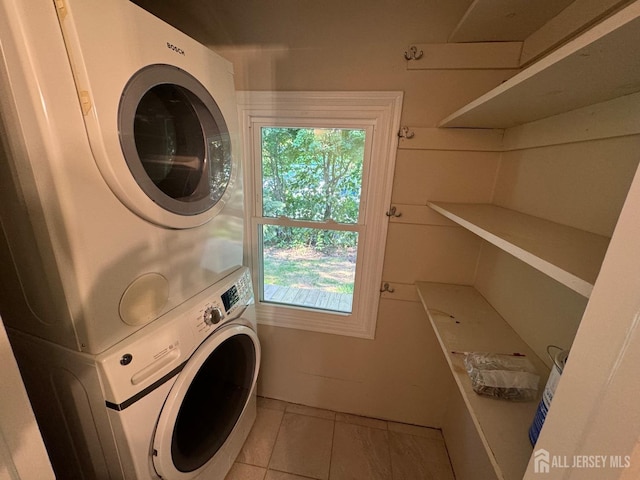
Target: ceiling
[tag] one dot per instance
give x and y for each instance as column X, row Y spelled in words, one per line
column 300, row 23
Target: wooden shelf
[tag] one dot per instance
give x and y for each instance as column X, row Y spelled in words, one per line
column 476, row 327
column 601, row 64
column 488, row 21
column 568, row 255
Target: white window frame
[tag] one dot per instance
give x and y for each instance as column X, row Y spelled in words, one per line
column 379, row 114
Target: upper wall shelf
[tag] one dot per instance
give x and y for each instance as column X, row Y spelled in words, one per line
column 571, row 256
column 505, row 20
column 601, row 64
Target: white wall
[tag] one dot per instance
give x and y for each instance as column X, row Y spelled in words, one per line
column 595, row 408
column 579, row 177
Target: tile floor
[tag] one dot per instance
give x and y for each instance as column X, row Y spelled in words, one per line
column 294, row 442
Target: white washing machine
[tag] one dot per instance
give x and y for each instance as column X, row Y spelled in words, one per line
column 120, row 190
column 175, row 400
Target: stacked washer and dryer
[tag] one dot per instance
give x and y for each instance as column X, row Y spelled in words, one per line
column 122, row 286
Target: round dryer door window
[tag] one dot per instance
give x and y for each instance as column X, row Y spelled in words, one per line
column 206, row 402
column 175, row 140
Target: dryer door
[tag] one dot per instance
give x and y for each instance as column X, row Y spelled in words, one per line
column 206, row 402
column 175, row 141
column 159, row 111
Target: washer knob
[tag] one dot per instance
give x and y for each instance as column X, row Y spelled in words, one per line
column 213, row 315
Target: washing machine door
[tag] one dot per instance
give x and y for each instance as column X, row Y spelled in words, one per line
column 206, row 402
column 175, row 141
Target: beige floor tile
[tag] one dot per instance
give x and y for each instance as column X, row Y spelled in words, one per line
column 303, row 446
column 272, row 403
column 414, row 457
column 360, row 453
column 275, row 475
column 259, row 445
column 364, row 421
column 416, row 430
column 311, row 411
column 296, row 442
column 240, row 471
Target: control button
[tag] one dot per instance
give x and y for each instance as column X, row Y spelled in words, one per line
column 126, row 359
column 213, row 315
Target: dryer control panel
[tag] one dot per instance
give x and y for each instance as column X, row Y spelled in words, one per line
column 164, row 345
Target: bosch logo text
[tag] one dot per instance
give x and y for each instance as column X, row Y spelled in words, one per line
column 171, row 46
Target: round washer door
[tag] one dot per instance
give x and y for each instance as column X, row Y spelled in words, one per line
column 176, row 144
column 206, row 402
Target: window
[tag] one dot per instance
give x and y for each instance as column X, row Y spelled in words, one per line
column 318, row 171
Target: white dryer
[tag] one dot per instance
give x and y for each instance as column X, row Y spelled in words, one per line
column 175, row 400
column 120, row 188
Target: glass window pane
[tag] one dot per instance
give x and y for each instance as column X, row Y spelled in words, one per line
column 312, row 173
column 309, row 267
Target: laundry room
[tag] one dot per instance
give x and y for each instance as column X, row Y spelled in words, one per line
column 494, row 215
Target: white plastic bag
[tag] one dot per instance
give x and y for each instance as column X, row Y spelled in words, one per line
column 502, row 376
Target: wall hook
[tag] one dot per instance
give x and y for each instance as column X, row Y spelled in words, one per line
column 413, row 53
column 386, row 288
column 392, row 213
column 406, row 133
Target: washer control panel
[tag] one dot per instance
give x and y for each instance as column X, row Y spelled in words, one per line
column 163, row 345
column 225, row 304
column 238, row 294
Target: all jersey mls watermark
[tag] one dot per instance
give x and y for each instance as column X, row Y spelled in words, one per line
column 543, row 461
